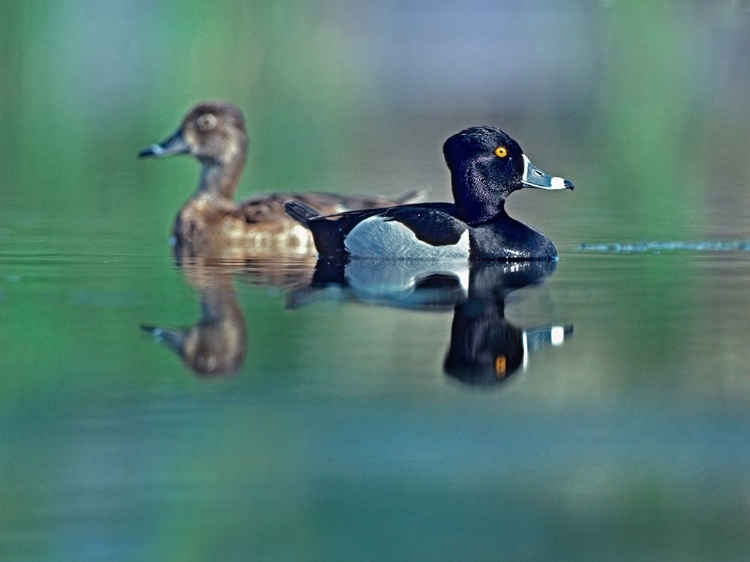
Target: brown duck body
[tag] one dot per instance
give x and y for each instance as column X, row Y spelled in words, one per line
column 210, row 224
column 214, row 226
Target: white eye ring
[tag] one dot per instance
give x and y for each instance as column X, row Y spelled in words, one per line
column 207, row 121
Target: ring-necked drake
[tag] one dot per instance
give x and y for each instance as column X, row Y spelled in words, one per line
column 210, row 223
column 486, row 166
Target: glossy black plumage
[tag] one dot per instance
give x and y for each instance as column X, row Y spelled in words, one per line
column 486, row 167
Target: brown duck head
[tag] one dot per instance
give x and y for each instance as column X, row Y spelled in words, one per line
column 213, row 132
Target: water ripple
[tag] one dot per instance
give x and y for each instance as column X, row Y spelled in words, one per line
column 673, row 246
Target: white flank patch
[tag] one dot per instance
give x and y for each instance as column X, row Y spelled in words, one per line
column 378, row 238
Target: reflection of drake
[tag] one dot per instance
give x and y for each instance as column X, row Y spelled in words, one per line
column 210, row 224
column 485, row 348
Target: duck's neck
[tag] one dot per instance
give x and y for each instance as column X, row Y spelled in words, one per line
column 220, row 179
column 477, row 201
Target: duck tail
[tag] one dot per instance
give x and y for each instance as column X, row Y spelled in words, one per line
column 300, row 212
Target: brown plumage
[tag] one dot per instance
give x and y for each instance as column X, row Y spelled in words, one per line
column 210, row 224
column 217, row 343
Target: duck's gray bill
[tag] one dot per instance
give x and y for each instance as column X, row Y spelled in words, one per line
column 534, row 177
column 173, row 145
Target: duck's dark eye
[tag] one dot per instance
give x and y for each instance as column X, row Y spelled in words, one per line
column 206, row 122
column 501, row 152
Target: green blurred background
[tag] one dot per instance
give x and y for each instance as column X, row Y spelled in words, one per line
column 643, row 106
column 627, row 443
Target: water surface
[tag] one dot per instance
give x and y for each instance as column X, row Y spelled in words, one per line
column 341, row 436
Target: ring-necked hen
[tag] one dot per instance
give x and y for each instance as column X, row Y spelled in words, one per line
column 210, row 223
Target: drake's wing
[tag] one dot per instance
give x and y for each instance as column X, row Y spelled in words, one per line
column 349, row 219
column 433, row 224
column 409, row 232
column 390, row 232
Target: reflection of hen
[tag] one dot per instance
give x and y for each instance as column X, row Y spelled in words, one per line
column 216, row 345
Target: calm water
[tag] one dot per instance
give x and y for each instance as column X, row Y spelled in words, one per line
column 597, row 410
column 341, row 437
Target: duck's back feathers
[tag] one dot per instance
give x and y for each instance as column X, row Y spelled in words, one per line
column 270, row 207
column 417, row 231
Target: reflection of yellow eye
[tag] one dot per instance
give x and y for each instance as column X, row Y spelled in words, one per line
column 501, row 364
column 501, row 152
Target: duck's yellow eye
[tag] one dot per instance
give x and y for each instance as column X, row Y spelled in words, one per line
column 206, row 122
column 501, row 152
